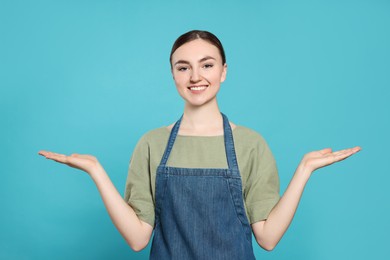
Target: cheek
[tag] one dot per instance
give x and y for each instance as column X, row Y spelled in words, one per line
column 215, row 79
column 180, row 79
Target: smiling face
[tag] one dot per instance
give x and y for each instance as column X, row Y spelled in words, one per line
column 198, row 71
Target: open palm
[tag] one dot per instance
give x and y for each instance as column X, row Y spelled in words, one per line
column 83, row 162
column 318, row 159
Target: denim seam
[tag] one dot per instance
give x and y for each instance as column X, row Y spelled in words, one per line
column 237, row 214
column 159, row 205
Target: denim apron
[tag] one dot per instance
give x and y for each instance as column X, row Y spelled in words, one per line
column 200, row 212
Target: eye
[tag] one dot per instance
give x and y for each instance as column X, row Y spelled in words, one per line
column 208, row 65
column 182, row 68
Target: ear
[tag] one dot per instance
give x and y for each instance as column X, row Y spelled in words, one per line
column 223, row 75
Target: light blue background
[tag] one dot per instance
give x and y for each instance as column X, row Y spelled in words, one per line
column 93, row 76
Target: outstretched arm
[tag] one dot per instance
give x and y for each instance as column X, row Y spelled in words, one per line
column 136, row 232
column 269, row 232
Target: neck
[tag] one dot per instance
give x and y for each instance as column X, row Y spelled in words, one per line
column 205, row 119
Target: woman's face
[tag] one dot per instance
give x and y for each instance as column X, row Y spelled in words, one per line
column 198, row 71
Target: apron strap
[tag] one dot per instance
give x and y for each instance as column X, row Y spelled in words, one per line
column 171, row 141
column 229, row 145
column 228, row 139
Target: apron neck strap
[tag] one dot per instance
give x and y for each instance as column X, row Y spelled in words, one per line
column 228, row 139
column 171, row 141
column 229, row 144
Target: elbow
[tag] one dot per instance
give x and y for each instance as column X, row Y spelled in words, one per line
column 140, row 239
column 268, row 248
column 137, row 246
column 267, row 245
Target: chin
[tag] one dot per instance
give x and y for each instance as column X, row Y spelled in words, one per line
column 199, row 103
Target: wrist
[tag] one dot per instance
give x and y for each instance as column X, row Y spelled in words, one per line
column 96, row 171
column 304, row 171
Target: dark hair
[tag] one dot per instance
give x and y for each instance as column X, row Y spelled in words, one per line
column 197, row 34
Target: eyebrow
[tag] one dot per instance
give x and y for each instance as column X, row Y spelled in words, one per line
column 201, row 60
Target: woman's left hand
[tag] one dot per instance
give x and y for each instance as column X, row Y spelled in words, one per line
column 318, row 159
column 269, row 232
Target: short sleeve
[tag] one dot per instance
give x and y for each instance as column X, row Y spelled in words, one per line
column 138, row 192
column 262, row 186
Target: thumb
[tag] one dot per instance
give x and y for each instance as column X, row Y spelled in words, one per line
column 326, row 150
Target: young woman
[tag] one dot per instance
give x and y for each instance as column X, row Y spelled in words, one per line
column 202, row 184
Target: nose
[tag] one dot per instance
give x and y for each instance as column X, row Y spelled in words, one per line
column 195, row 76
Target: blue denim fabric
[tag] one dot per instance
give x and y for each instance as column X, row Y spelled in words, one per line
column 200, row 212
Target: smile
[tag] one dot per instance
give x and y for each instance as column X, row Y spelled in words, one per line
column 197, row 88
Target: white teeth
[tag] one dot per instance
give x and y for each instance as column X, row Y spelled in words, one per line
column 197, row 88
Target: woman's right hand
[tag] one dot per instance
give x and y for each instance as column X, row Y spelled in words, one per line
column 84, row 162
column 136, row 232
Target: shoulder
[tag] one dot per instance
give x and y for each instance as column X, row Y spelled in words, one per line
column 247, row 139
column 156, row 133
column 155, row 136
column 247, row 135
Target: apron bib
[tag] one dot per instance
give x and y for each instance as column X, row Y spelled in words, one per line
column 200, row 212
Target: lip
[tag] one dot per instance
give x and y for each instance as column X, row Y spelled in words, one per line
column 197, row 91
column 194, row 86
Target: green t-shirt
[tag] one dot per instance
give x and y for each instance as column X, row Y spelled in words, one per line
column 260, row 181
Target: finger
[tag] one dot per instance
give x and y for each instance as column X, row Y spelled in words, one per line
column 61, row 158
column 48, row 153
column 357, row 149
column 325, row 151
column 343, row 154
column 348, row 151
column 43, row 153
column 85, row 156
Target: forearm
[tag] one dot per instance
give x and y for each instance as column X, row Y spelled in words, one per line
column 268, row 233
column 136, row 232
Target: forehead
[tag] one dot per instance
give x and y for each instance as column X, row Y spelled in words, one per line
column 196, row 50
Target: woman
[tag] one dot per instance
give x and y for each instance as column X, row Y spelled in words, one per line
column 203, row 184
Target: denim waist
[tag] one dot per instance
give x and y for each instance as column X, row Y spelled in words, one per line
column 201, row 172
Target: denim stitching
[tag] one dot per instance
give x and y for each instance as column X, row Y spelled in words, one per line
column 237, row 213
